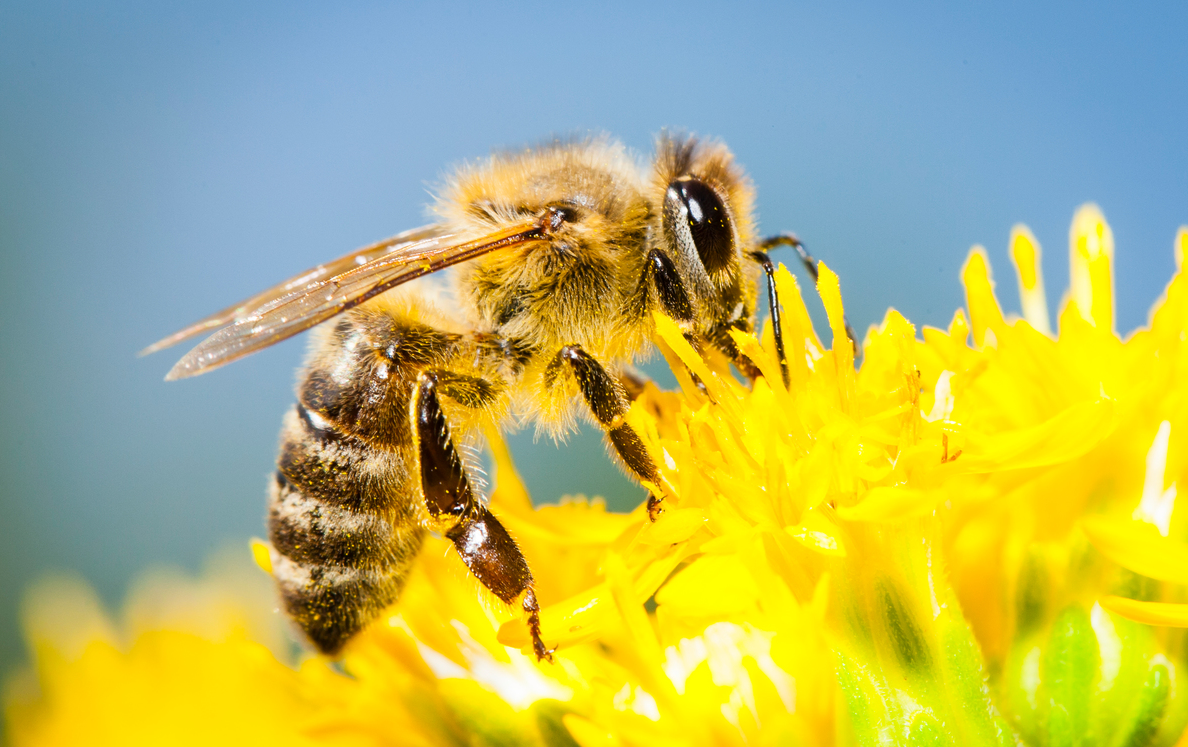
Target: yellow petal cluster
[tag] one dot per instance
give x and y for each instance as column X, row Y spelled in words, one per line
column 970, row 538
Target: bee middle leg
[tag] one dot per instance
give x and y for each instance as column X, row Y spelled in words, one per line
column 482, row 542
column 608, row 401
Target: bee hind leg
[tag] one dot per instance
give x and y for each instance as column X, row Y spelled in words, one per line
column 482, row 542
column 608, row 401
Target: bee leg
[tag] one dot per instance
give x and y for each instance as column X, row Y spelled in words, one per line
column 608, row 402
column 669, row 286
column 773, row 304
column 659, row 272
column 633, row 383
column 482, row 542
column 810, row 264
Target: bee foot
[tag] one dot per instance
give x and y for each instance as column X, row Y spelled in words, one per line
column 654, row 507
column 538, row 646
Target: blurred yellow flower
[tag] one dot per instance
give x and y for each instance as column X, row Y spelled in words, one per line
column 970, row 539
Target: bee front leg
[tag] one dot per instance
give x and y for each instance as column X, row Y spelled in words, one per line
column 670, row 289
column 482, row 542
column 608, row 402
column 773, row 305
column 661, row 274
column 773, row 299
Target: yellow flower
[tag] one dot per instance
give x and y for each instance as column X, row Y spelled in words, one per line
column 969, row 539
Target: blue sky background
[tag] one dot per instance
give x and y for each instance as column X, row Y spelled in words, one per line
column 159, row 161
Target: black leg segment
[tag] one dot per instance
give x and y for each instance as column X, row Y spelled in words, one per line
column 810, row 265
column 482, row 542
column 608, row 403
column 773, row 304
column 493, row 557
column 669, row 286
column 443, row 479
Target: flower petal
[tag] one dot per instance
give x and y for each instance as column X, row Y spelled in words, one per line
column 1066, row 436
column 984, row 312
column 887, row 503
column 1149, row 613
column 1138, row 546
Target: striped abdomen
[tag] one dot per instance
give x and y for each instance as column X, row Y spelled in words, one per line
column 344, row 518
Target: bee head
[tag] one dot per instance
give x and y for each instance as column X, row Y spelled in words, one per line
column 704, row 225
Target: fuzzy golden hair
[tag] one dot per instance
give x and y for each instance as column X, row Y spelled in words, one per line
column 575, row 287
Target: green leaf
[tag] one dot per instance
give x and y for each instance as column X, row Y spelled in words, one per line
column 1068, row 670
column 548, row 713
column 1150, row 708
column 965, row 675
column 925, row 731
column 863, row 723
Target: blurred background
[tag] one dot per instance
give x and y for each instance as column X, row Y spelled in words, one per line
column 159, row 161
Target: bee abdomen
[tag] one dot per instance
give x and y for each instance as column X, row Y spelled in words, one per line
column 336, row 567
column 308, row 529
column 343, row 539
column 332, row 602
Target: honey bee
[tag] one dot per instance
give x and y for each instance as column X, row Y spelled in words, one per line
column 560, row 255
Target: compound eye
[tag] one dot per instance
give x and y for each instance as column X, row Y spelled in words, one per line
column 708, row 222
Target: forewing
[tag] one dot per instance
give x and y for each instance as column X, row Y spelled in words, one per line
column 299, row 310
column 304, row 281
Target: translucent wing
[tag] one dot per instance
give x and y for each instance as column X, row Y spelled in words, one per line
column 305, row 280
column 286, row 314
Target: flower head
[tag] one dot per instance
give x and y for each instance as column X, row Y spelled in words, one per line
column 969, row 538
